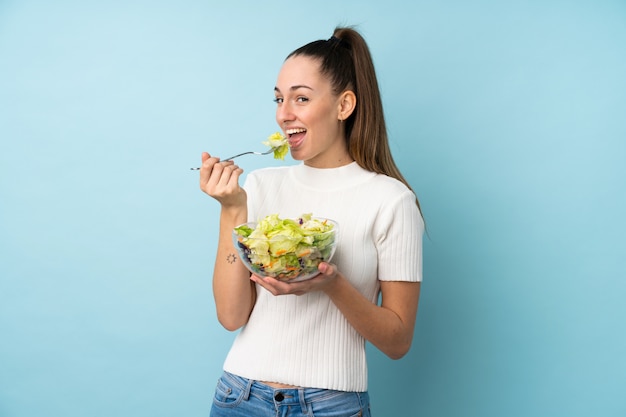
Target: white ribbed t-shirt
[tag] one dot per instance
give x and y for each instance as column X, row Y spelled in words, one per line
column 305, row 340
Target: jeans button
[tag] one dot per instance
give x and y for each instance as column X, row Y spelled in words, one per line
column 279, row 396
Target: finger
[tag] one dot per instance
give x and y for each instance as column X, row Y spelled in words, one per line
column 327, row 269
column 206, row 169
column 235, row 173
column 217, row 174
column 210, row 172
column 234, row 176
column 228, row 178
column 263, row 283
column 277, row 287
column 207, row 157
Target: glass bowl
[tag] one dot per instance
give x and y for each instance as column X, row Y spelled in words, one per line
column 289, row 254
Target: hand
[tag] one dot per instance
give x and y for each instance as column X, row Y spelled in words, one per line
column 321, row 282
column 220, row 180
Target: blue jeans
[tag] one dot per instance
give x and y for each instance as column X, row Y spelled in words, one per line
column 240, row 397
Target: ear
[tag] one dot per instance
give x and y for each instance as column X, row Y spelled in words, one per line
column 347, row 104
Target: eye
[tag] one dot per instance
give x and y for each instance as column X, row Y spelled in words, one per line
column 278, row 100
column 302, row 99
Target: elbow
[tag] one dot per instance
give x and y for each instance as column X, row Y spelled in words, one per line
column 231, row 318
column 397, row 354
column 231, row 327
column 396, row 357
column 230, row 323
column 398, row 351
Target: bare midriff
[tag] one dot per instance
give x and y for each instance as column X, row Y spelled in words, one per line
column 278, row 385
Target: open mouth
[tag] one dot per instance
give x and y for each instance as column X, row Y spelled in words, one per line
column 295, row 136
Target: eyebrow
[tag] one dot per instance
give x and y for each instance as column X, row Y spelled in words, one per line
column 295, row 87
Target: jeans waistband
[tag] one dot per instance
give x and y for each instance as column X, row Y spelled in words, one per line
column 281, row 396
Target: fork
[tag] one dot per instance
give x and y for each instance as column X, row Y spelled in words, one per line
column 242, row 154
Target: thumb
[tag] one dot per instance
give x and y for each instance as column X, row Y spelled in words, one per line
column 327, row 269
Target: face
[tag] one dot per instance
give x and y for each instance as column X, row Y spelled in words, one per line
column 309, row 112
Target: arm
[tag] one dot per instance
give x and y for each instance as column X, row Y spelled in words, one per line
column 234, row 294
column 389, row 326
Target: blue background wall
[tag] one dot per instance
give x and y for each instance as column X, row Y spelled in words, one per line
column 508, row 118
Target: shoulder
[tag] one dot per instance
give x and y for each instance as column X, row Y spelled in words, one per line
column 397, row 201
column 373, row 181
column 388, row 187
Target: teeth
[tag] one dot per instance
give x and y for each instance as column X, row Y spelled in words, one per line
column 294, row 131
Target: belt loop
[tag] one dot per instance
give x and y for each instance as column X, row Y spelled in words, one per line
column 305, row 409
column 246, row 391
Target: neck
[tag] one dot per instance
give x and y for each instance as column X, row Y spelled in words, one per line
column 335, row 157
column 332, row 163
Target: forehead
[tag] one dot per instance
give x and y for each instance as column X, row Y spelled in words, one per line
column 301, row 70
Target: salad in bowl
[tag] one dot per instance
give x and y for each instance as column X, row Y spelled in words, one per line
column 286, row 249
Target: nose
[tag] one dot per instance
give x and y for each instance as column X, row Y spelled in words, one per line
column 284, row 113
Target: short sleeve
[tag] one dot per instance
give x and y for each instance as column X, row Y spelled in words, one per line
column 251, row 186
column 399, row 229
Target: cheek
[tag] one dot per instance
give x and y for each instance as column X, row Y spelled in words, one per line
column 323, row 120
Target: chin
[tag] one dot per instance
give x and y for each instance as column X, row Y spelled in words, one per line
column 297, row 156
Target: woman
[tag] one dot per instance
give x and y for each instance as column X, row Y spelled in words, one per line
column 301, row 350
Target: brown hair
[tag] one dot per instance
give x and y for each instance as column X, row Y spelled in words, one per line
column 345, row 58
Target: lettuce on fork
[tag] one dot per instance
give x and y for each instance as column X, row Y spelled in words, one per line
column 279, row 143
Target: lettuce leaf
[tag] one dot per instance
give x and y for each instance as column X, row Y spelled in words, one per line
column 285, row 248
column 279, row 143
